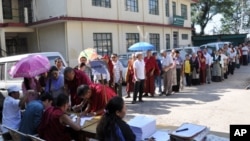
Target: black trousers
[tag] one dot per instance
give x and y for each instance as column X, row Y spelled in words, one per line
column 176, row 88
column 138, row 89
column 245, row 60
column 231, row 67
column 188, row 79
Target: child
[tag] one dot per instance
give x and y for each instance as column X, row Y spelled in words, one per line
column 187, row 70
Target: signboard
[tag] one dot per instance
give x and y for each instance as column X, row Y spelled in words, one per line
column 178, row 20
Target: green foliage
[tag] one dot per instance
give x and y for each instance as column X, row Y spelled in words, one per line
column 203, row 11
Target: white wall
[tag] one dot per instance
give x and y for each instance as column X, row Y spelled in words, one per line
column 52, row 38
column 44, row 9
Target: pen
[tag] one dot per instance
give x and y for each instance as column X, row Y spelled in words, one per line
column 180, row 130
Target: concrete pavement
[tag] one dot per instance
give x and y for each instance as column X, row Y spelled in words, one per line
column 216, row 105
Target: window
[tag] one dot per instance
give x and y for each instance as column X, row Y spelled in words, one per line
column 174, row 8
column 7, row 9
column 155, row 40
column 167, row 41
column 184, row 11
column 153, row 7
column 132, row 5
column 9, row 65
column 184, row 36
column 175, row 39
column 167, row 7
column 132, row 38
column 102, row 3
column 2, row 72
column 103, row 43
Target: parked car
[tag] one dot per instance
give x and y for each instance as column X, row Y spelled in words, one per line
column 185, row 50
column 213, row 46
column 7, row 62
column 124, row 62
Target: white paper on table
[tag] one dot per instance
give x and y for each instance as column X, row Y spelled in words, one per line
column 161, row 136
column 83, row 119
column 193, row 129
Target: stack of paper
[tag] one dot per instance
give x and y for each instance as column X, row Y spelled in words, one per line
column 189, row 131
column 83, row 119
column 160, row 136
column 142, row 127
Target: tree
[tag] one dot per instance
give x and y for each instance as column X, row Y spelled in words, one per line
column 237, row 18
column 204, row 10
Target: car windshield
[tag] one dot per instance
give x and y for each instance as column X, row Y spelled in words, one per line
column 52, row 60
column 124, row 62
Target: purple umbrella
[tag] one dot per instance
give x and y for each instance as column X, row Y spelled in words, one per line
column 30, row 66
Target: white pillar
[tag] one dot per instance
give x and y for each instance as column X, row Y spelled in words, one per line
column 3, row 42
column 1, row 12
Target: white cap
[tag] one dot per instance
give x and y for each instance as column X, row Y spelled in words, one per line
column 163, row 50
column 138, row 53
column 13, row 88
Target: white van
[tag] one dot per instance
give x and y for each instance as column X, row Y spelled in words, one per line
column 213, row 46
column 185, row 50
column 7, row 62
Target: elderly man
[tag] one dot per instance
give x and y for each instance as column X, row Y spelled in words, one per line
column 11, row 111
column 117, row 70
column 167, row 63
column 139, row 76
column 73, row 79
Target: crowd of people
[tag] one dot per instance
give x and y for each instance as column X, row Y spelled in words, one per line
column 47, row 98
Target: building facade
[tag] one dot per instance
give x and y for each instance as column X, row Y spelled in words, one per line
column 69, row 26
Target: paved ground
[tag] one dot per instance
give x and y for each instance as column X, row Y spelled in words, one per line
column 215, row 105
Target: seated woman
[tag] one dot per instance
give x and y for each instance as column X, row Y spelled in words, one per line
column 111, row 126
column 54, row 121
column 96, row 96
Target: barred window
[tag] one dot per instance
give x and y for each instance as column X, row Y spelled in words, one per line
column 132, row 5
column 102, row 3
column 167, row 41
column 184, row 11
column 132, row 38
column 167, row 7
column 174, row 8
column 154, row 7
column 155, row 40
column 7, row 9
column 175, row 39
column 184, row 36
column 103, row 43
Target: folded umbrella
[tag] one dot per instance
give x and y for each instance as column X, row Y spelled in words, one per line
column 30, row 66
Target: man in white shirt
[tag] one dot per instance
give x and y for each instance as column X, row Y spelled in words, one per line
column 208, row 65
column 117, row 74
column 167, row 63
column 245, row 51
column 139, row 76
column 11, row 110
column 223, row 63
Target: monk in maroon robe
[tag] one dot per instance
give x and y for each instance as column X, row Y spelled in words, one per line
column 97, row 96
column 152, row 69
column 73, row 79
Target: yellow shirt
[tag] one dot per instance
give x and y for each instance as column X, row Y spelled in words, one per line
column 187, row 66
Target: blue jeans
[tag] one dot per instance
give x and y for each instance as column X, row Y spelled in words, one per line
column 158, row 80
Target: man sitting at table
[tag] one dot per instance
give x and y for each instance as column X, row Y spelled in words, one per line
column 33, row 114
column 54, row 121
column 97, row 96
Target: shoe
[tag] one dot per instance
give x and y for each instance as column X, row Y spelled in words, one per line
column 133, row 102
column 141, row 101
column 145, row 95
column 127, row 96
column 168, row 94
column 208, row 82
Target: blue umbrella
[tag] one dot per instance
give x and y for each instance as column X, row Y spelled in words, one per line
column 141, row 46
column 98, row 66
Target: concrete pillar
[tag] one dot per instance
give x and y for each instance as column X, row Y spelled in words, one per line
column 3, row 42
column 1, row 12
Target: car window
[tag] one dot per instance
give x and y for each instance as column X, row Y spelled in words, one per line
column 9, row 65
column 220, row 45
column 124, row 62
column 52, row 60
column 2, row 72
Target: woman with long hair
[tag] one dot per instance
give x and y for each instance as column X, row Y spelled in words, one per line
column 111, row 126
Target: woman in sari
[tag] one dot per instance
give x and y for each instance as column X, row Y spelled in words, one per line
column 130, row 76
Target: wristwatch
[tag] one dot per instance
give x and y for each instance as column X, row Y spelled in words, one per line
column 94, row 113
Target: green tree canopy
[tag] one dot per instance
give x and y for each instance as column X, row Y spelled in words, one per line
column 204, row 10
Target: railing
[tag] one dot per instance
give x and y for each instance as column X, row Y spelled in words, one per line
column 3, row 52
